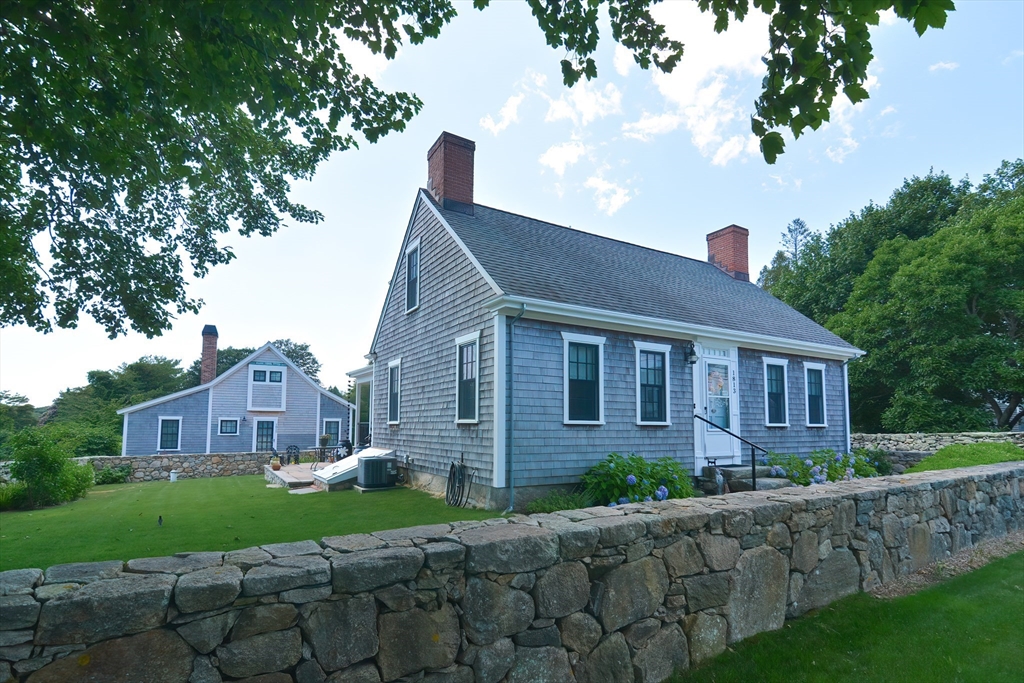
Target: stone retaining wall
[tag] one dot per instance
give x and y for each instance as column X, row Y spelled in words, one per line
column 602, row 594
column 189, row 466
column 906, row 450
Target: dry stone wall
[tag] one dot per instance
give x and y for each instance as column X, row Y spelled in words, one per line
column 188, row 466
column 906, row 450
column 602, row 594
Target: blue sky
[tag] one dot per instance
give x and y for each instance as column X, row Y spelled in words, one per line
column 639, row 156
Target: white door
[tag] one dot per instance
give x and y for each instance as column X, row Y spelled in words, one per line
column 718, row 401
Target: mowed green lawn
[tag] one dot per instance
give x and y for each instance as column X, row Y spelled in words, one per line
column 119, row 522
column 969, row 455
column 968, row 629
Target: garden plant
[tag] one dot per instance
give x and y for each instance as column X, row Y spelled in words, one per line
column 619, row 480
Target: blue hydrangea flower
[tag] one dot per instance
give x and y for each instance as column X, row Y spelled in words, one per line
column 612, row 504
column 623, row 500
column 839, row 458
column 661, row 493
column 815, row 470
column 631, row 480
column 853, row 460
column 636, row 498
column 809, row 462
column 648, row 499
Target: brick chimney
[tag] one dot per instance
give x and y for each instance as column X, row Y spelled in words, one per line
column 208, row 367
column 727, row 249
column 450, row 172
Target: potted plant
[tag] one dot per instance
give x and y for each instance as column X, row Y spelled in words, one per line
column 325, row 440
column 275, row 463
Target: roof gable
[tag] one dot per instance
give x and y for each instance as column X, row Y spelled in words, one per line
column 231, row 371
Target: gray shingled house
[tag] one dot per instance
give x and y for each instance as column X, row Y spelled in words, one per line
column 531, row 350
column 264, row 402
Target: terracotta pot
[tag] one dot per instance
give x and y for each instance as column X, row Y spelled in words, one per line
column 275, row 464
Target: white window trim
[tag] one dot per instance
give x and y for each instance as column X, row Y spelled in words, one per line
column 253, row 367
column 341, row 436
column 807, row 395
column 255, row 428
column 657, row 348
column 414, row 246
column 398, row 418
column 466, row 339
column 238, row 426
column 582, row 339
column 160, row 429
column 784, row 362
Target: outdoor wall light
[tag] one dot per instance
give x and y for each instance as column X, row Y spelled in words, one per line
column 690, row 353
column 243, row 418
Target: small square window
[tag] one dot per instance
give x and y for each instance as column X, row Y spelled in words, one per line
column 229, row 427
column 259, row 375
column 275, row 376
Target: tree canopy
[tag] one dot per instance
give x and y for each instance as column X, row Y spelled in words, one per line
column 931, row 285
column 133, row 135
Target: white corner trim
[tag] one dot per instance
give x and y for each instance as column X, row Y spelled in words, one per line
column 160, row 427
column 656, row 348
column 807, row 395
column 124, row 435
column 846, row 404
column 500, row 341
column 784, row 364
column 465, row 340
column 572, row 337
column 209, row 419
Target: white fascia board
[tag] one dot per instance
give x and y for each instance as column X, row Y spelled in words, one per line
column 472, row 259
column 361, row 373
column 421, row 197
column 627, row 322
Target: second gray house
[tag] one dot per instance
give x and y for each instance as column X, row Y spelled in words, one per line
column 265, row 402
column 531, row 350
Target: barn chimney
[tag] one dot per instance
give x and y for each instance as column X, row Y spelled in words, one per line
column 727, row 249
column 208, row 366
column 450, row 172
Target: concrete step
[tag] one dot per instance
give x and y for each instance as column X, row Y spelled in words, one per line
column 736, row 472
column 766, row 484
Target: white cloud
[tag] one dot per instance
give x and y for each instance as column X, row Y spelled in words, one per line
column 888, row 17
column 888, row 110
column 559, row 157
column 623, row 60
column 509, row 114
column 709, row 93
column 609, row 196
column 943, row 66
column 843, row 115
column 650, row 125
column 584, row 103
column 1014, row 55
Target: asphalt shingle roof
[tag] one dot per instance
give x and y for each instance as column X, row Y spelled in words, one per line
column 531, row 258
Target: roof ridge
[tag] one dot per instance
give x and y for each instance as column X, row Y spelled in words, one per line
column 584, row 232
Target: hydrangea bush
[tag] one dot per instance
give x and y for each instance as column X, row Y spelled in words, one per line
column 819, row 467
column 632, row 479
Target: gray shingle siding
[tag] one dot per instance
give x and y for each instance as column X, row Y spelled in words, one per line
column 332, row 410
column 549, row 452
column 143, row 425
column 452, row 292
column 797, row 437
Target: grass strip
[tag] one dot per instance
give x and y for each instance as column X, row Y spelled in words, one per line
column 968, row 629
column 968, row 455
column 119, row 521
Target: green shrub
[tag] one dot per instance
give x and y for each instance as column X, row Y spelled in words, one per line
column 967, row 455
column 49, row 475
column 819, row 467
column 633, row 479
column 114, row 475
column 83, row 440
column 877, row 458
column 558, row 500
column 13, row 496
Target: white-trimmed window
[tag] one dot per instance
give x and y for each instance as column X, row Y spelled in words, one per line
column 168, row 435
column 814, row 387
column 268, row 386
column 412, row 277
column 228, row 426
column 583, row 371
column 467, row 378
column 776, row 403
column 652, row 383
column 332, row 428
column 394, row 390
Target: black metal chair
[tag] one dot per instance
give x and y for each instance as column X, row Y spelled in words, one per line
column 291, row 454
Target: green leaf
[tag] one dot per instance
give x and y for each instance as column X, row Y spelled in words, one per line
column 772, row 145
